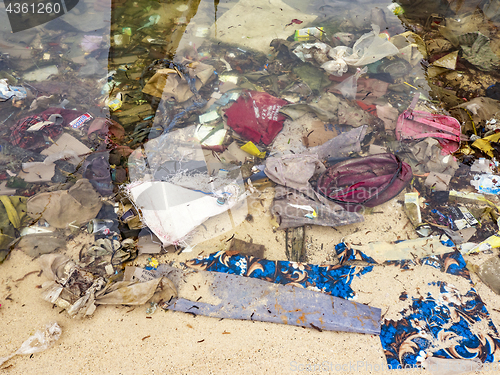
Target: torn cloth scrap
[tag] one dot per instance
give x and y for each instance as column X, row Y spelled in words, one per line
column 431, row 308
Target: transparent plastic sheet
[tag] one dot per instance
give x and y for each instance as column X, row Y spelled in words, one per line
column 38, row 342
column 349, row 86
column 177, row 186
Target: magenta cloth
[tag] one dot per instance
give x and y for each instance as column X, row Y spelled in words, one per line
column 364, row 182
column 255, row 116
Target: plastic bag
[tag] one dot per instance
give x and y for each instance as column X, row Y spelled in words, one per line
column 177, row 189
column 41, row 340
column 413, row 125
column 255, row 116
column 370, row 48
column 349, row 86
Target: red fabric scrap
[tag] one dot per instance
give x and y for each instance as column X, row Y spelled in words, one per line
column 255, row 116
column 34, row 140
column 371, row 109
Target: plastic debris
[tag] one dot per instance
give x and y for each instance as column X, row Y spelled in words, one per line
column 78, row 291
column 253, row 150
column 418, row 124
column 412, row 208
column 349, row 86
column 168, row 82
column 7, row 92
column 176, row 194
column 369, row 48
column 486, row 184
column 63, row 208
column 487, row 245
column 309, row 33
column 40, row 341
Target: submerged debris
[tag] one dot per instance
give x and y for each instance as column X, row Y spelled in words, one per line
column 269, row 120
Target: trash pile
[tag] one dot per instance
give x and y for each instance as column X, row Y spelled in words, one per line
column 191, row 123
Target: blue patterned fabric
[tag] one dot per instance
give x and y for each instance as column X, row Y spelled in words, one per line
column 450, row 324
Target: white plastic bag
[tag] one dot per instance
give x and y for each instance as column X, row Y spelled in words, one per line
column 368, row 49
column 349, row 86
column 371, row 48
column 41, row 340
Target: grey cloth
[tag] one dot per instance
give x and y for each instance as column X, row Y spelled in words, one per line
column 291, row 207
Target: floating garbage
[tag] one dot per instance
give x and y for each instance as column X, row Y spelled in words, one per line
column 362, row 139
column 486, row 184
column 256, row 116
column 7, row 92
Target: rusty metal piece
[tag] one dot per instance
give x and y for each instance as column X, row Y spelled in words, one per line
column 247, row 298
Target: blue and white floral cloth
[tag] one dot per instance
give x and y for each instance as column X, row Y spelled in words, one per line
column 451, row 323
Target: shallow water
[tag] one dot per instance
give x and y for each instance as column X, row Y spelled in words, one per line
column 178, row 189
column 97, row 59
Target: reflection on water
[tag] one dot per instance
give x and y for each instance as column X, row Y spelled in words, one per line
column 137, row 127
column 109, row 88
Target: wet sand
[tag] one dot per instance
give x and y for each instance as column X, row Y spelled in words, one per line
column 126, row 340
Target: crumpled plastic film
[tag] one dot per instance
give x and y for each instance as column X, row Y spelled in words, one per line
column 38, row 342
column 176, row 189
column 78, row 291
column 368, row 49
column 62, row 208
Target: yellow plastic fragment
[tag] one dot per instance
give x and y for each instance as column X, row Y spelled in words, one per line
column 466, row 150
column 448, row 61
column 253, row 150
column 11, row 211
column 154, row 263
column 488, row 244
column 484, row 143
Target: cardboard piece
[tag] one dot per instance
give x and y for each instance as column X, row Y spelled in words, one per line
column 68, row 145
column 438, row 181
column 37, row 172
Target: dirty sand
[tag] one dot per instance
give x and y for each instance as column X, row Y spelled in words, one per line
column 125, row 340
